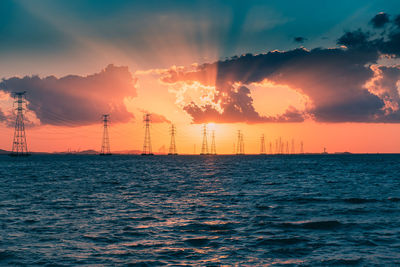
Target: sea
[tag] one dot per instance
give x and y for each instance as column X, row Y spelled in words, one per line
column 249, row 210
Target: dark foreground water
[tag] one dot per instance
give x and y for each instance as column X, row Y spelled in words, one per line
column 246, row 210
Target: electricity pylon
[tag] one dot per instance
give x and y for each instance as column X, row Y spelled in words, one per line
column 147, row 141
column 105, row 144
column 213, row 148
column 287, row 147
column 301, row 148
column 240, row 144
column 293, row 151
column 262, row 148
column 270, row 147
column 172, row 146
column 204, row 145
column 19, row 146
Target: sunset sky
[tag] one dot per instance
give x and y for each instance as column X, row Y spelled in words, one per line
column 322, row 72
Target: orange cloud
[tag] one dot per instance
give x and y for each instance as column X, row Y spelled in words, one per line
column 77, row 100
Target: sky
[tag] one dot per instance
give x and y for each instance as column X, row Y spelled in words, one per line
column 325, row 73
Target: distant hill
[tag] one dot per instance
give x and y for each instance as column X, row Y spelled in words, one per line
column 127, row 152
column 87, row 152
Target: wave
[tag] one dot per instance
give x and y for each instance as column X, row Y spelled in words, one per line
column 314, row 225
column 356, row 200
column 5, row 254
column 341, row 262
column 220, row 227
column 394, row 199
column 102, row 239
column 197, row 242
column 281, row 241
column 147, row 263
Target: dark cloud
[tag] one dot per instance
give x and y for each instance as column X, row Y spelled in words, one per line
column 299, row 39
column 334, row 80
column 380, row 20
column 354, row 39
column 77, row 100
column 238, row 107
column 3, row 116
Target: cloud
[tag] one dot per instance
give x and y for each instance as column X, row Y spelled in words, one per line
column 156, row 118
column 3, row 116
column 299, row 39
column 237, row 107
column 354, row 39
column 336, row 81
column 77, row 100
column 380, row 20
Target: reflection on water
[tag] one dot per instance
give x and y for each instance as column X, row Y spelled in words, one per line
column 217, row 210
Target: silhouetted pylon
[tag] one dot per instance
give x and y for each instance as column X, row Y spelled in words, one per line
column 301, row 148
column 147, row 141
column 105, row 144
column 270, row 147
column 262, row 147
column 293, row 149
column 19, row 146
column 213, row 148
column 204, row 145
column 240, row 144
column 287, row 147
column 172, row 146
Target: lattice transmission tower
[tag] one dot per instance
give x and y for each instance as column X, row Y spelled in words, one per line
column 147, row 141
column 240, row 144
column 293, row 150
column 172, row 145
column 262, row 147
column 19, row 146
column 301, row 148
column 204, row 145
column 213, row 147
column 105, row 144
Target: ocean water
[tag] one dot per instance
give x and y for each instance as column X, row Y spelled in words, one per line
column 306, row 210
